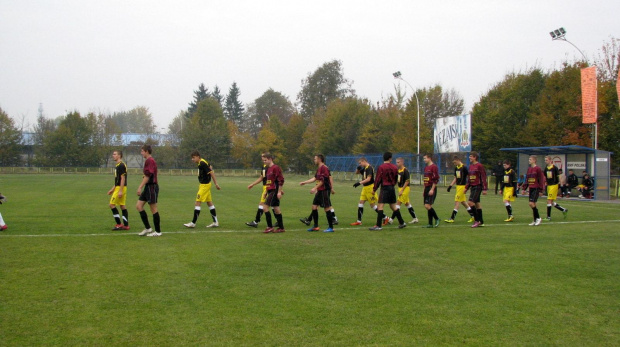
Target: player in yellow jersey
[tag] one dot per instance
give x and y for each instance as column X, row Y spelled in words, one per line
column 118, row 192
column 205, row 175
column 404, row 181
column 460, row 179
column 508, row 188
column 367, row 182
column 552, row 180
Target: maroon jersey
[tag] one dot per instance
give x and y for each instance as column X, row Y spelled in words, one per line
column 150, row 170
column 322, row 175
column 535, row 178
column 275, row 178
column 387, row 175
column 477, row 176
column 431, row 175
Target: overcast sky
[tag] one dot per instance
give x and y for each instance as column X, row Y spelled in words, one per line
column 109, row 56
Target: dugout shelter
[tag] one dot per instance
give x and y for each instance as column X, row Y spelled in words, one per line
column 577, row 158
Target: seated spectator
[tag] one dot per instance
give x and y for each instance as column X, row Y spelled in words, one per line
column 586, row 186
column 572, row 181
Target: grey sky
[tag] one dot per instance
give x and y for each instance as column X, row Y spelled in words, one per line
column 114, row 55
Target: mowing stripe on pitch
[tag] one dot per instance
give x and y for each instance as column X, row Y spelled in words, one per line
column 444, row 226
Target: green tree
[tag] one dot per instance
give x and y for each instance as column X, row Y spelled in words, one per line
column 339, row 130
column 233, row 108
column 137, row 120
column 271, row 104
column 10, row 141
column 292, row 141
column 217, row 95
column 325, row 84
column 199, row 95
column 207, row 132
column 242, row 146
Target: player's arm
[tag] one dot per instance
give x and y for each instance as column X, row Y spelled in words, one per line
column 145, row 180
column 313, row 179
column 258, row 180
column 212, row 173
column 120, row 190
column 331, row 184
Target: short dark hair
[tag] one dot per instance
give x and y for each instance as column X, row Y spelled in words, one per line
column 195, row 153
column 119, row 152
column 456, row 157
column 387, row 156
column 428, row 155
column 147, row 148
column 362, row 159
column 267, row 155
column 474, row 154
column 507, row 162
column 321, row 156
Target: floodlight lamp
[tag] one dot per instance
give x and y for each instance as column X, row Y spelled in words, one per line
column 557, row 32
column 562, row 31
column 552, row 35
column 396, row 74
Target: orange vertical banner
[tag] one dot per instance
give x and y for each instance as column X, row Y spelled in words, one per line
column 588, row 95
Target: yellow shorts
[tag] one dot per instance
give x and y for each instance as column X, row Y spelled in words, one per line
column 263, row 195
column 367, row 195
column 509, row 194
column 204, row 193
column 552, row 192
column 404, row 198
column 115, row 200
column 460, row 194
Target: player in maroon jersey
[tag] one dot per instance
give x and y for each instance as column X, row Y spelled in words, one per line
column 274, row 183
column 149, row 193
column 387, row 178
column 321, row 193
column 535, row 181
column 477, row 182
column 431, row 178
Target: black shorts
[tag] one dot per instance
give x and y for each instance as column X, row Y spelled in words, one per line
column 474, row 193
column 322, row 199
column 150, row 193
column 272, row 198
column 534, row 194
column 429, row 199
column 387, row 195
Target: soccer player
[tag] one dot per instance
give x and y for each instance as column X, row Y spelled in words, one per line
column 460, row 179
column 148, row 192
column 431, row 178
column 321, row 191
column 3, row 225
column 387, row 178
column 119, row 192
column 534, row 180
column 261, row 205
column 275, row 181
column 367, row 182
column 508, row 188
column 552, row 179
column 308, row 220
column 477, row 182
column 403, row 192
column 205, row 175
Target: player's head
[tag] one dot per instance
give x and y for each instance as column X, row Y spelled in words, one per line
column 117, row 154
column 146, row 150
column 195, row 156
column 387, row 156
column 400, row 162
column 428, row 158
column 571, row 171
column 473, row 156
column 362, row 161
column 548, row 160
column 532, row 159
column 319, row 159
column 267, row 158
column 456, row 160
column 507, row 164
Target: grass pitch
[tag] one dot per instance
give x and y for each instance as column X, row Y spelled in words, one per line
column 67, row 279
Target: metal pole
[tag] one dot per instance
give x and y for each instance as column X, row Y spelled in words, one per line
column 418, row 103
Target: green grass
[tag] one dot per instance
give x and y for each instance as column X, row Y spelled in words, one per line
column 66, row 279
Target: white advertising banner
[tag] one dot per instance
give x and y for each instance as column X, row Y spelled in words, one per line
column 453, row 134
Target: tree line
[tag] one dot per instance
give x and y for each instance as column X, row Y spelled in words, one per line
column 525, row 109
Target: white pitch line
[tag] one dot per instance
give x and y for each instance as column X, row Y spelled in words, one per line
column 258, row 231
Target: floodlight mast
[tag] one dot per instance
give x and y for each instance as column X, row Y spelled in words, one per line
column 560, row 34
column 398, row 75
